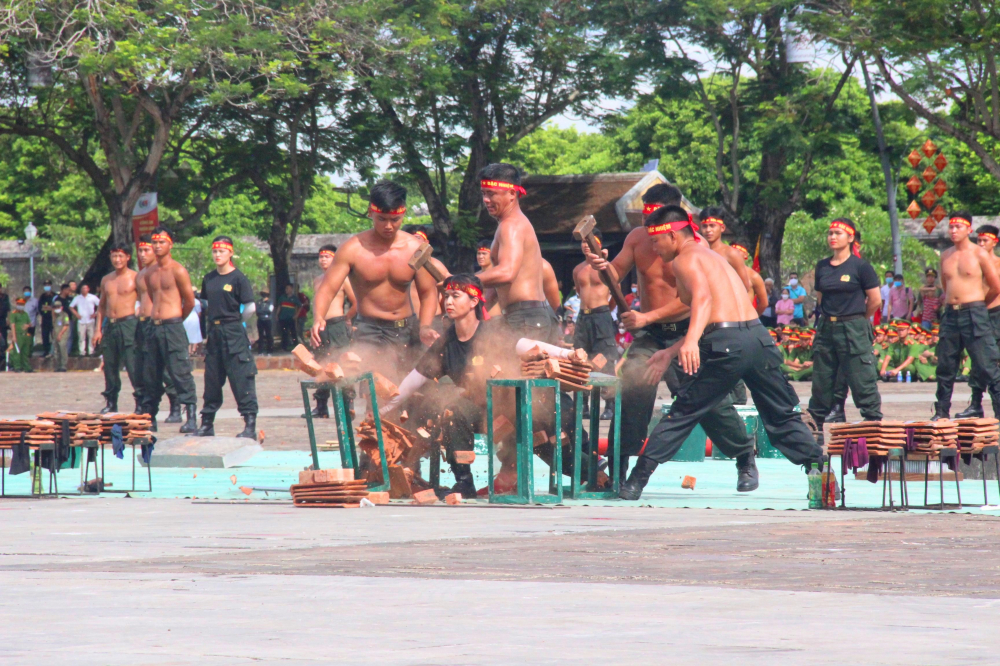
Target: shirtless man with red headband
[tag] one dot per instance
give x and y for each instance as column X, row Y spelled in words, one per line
column 724, row 342
column 987, row 236
column 664, row 320
column 118, row 301
column 517, row 273
column 970, row 281
column 377, row 263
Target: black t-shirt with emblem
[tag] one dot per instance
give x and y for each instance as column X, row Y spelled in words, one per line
column 225, row 294
column 843, row 287
column 449, row 356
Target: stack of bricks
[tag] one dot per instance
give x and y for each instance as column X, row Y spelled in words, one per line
column 134, row 426
column 43, row 432
column 333, row 488
column 573, row 373
column 10, row 431
column 880, row 436
column 932, row 436
column 403, row 451
column 974, row 434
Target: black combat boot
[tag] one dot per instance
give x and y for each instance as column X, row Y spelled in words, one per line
column 322, row 411
column 836, row 414
column 746, row 470
column 110, row 406
column 191, row 426
column 637, row 480
column 609, row 411
column 464, row 483
column 940, row 413
column 175, row 412
column 975, row 408
column 207, row 428
column 250, row 427
column 152, row 424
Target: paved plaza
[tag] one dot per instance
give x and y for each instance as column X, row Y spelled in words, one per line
column 202, row 574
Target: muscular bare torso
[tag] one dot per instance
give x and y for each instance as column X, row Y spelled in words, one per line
column 145, row 302
column 526, row 283
column 729, row 303
column 657, row 286
column 336, row 308
column 381, row 276
column 996, row 263
column 118, row 293
column 962, row 274
column 593, row 293
column 164, row 289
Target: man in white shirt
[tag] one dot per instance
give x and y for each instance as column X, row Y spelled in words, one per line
column 884, row 289
column 83, row 307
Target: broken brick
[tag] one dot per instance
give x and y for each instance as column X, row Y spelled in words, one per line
column 246, row 490
column 599, row 362
column 502, row 429
column 465, row 457
column 425, row 497
column 495, row 371
column 453, row 498
column 306, row 360
column 378, row 498
column 688, row 482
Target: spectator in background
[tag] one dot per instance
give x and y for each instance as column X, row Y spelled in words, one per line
column 768, row 316
column 884, row 290
column 300, row 316
column 798, row 295
column 265, row 332
column 31, row 307
column 288, row 308
column 784, row 308
column 901, row 300
column 623, row 339
column 632, row 297
column 71, row 345
column 571, row 308
column 4, row 313
column 569, row 331
column 929, row 300
column 45, row 308
column 83, row 308
column 61, row 325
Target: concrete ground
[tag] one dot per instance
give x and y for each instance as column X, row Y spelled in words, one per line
column 127, row 580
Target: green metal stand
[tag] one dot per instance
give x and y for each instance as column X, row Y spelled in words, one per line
column 576, row 489
column 345, row 429
column 523, row 389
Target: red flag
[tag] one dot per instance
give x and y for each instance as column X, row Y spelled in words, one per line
column 756, row 256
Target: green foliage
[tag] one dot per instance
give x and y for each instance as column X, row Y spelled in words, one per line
column 67, row 251
column 322, row 215
column 805, row 242
column 556, row 152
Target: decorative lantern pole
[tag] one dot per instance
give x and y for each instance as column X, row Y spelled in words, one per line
column 929, row 177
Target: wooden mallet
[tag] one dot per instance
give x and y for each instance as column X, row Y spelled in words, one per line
column 584, row 232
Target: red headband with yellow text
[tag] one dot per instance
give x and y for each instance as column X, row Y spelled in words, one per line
column 470, row 289
column 421, row 235
column 960, row 220
column 846, row 228
column 743, row 250
column 222, row 245
column 144, row 244
column 163, row 236
column 672, row 226
column 372, row 208
column 713, row 219
column 501, row 185
column 986, row 234
column 326, row 253
column 647, row 209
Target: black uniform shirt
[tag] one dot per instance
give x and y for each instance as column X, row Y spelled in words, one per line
column 843, row 287
column 450, row 356
column 225, row 294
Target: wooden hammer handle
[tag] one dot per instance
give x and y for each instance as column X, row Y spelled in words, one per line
column 606, row 277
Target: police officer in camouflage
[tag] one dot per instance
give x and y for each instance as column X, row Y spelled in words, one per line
column 227, row 350
column 850, row 295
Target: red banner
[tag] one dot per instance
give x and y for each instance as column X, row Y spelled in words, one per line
column 144, row 216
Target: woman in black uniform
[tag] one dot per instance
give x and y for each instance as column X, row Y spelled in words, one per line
column 227, row 348
column 460, row 354
column 849, row 291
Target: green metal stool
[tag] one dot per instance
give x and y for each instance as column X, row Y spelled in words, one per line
column 523, row 389
column 345, row 429
column 576, row 489
column 693, row 448
column 899, row 455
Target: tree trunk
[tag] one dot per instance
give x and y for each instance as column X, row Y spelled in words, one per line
column 770, row 225
column 281, row 252
column 121, row 233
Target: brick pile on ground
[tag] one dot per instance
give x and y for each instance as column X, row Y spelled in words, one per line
column 403, row 451
column 974, row 434
column 573, row 373
column 880, row 436
column 333, row 488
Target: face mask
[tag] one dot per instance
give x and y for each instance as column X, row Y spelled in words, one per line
column 46, row 288
column 635, row 289
column 19, row 307
column 58, row 310
column 888, row 280
column 793, row 282
column 27, row 294
column 898, row 283
column 785, row 295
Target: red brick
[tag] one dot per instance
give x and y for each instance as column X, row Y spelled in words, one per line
column 453, row 498
column 425, row 497
column 378, row 498
column 688, row 482
column 465, row 457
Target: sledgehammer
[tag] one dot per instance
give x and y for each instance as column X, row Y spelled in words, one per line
column 422, row 259
column 584, row 232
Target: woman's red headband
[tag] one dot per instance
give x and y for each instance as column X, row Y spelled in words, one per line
column 222, row 245
column 846, row 228
column 501, row 185
column 470, row 289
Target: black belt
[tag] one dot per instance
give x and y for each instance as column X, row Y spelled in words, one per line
column 966, row 306
column 337, row 320
column 525, row 305
column 995, row 309
column 171, row 320
column 668, row 326
column 603, row 308
column 386, row 323
column 143, row 318
column 846, row 317
column 731, row 324
column 121, row 319
column 219, row 322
